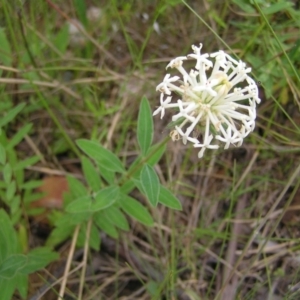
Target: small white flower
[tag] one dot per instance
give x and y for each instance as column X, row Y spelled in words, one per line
column 217, row 98
column 184, row 112
column 206, row 145
column 186, row 135
column 207, row 140
column 229, row 138
column 164, row 86
column 163, row 105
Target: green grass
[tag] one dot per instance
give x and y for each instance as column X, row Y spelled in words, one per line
column 236, row 203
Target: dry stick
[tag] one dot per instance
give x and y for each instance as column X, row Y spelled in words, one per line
column 262, row 223
column 106, row 282
column 269, row 260
column 53, row 84
column 85, row 256
column 248, row 169
column 105, row 78
column 218, row 258
column 246, row 172
column 32, row 59
column 230, row 289
column 32, row 145
column 22, row 81
column 115, row 122
column 57, row 84
column 267, row 231
column 68, row 264
column 10, row 69
column 49, row 171
column 270, row 249
column 49, row 285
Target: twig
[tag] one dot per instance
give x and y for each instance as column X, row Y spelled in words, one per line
column 230, row 289
column 85, row 256
column 51, row 283
column 68, row 264
column 262, row 223
column 115, row 122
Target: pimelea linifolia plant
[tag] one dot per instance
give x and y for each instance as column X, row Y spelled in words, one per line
column 216, row 99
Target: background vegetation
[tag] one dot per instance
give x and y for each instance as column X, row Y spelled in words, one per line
column 78, row 70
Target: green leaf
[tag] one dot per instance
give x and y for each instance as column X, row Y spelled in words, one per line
column 16, row 214
column 80, row 7
column 12, row 265
column 150, row 184
column 245, row 6
column 59, row 234
column 277, row 7
column 294, row 53
column 7, row 288
column 116, row 217
column 38, row 259
column 18, row 137
column 15, row 203
column 22, row 285
column 18, row 173
column 8, row 237
column 168, row 199
column 130, row 184
column 81, row 11
column 26, row 163
column 105, row 198
column 82, row 204
column 11, row 190
column 7, row 173
column 33, row 184
column 61, row 40
column 102, row 156
column 72, row 219
column 77, row 189
column 29, row 197
column 145, row 126
column 107, row 174
column 2, row 155
column 59, row 146
column 91, row 175
column 135, row 210
column 22, row 236
column 101, row 200
column 102, row 222
column 158, row 150
column 153, row 288
column 94, row 240
column 11, row 114
column 215, row 15
column 5, row 53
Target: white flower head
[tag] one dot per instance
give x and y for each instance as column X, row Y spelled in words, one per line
column 217, row 98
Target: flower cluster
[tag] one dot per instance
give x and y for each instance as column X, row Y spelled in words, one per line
column 216, row 99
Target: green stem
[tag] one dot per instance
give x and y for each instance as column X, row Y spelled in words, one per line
column 142, row 162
